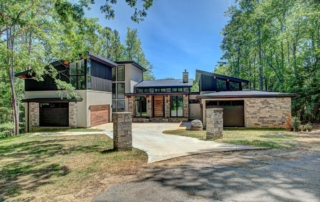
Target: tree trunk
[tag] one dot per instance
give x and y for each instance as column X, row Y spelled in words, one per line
column 10, row 46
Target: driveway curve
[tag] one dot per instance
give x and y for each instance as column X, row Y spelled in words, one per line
column 149, row 138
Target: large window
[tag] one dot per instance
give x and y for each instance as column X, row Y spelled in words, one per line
column 121, row 73
column 114, row 74
column 114, row 90
column 176, row 106
column 120, row 106
column 234, row 86
column 77, row 75
column 141, row 106
column 120, row 90
column 221, row 85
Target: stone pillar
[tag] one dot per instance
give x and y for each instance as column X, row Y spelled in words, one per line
column 122, row 130
column 73, row 113
column 34, row 115
column 214, row 120
column 149, row 106
column 167, row 106
column 185, row 106
column 132, row 105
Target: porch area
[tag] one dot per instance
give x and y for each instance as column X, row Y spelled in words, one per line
column 159, row 108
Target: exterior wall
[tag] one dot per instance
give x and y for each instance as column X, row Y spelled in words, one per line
column 194, row 111
column 167, row 106
column 185, row 106
column 136, row 76
column 34, row 115
column 149, row 106
column 267, row 112
column 73, row 114
column 89, row 97
column 261, row 112
column 132, row 105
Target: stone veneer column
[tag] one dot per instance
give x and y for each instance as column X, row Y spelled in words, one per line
column 132, row 105
column 186, row 106
column 214, row 120
column 167, row 106
column 149, row 106
column 122, row 130
column 73, row 113
column 34, row 115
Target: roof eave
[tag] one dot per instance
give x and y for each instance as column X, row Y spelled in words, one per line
column 244, row 96
column 102, row 60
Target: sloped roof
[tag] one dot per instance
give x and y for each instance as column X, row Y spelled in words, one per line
column 133, row 63
column 102, row 60
column 245, row 94
column 165, row 83
column 199, row 72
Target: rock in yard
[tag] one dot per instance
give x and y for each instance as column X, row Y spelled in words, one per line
column 196, row 125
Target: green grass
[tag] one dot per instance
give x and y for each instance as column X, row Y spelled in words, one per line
column 71, row 130
column 51, row 166
column 280, row 139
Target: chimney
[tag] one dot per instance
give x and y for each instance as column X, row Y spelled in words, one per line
column 185, row 76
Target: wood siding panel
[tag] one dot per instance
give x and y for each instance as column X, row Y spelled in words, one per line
column 158, row 106
column 99, row 114
column 233, row 116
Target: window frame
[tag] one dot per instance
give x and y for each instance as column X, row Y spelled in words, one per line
column 176, row 99
column 142, row 100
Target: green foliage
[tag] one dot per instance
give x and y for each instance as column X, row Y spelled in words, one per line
column 275, row 45
column 295, row 123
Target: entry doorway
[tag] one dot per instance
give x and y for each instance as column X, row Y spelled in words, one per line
column 158, row 106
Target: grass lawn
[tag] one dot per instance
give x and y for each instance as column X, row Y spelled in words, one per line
column 42, row 168
column 262, row 138
column 70, row 130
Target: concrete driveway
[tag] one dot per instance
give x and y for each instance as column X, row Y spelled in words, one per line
column 149, row 138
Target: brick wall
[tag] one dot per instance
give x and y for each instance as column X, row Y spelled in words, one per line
column 267, row 112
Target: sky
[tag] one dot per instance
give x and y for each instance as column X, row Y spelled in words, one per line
column 176, row 34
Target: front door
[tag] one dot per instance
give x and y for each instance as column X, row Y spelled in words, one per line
column 158, row 106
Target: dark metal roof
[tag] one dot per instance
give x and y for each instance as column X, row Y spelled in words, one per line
column 29, row 72
column 102, row 60
column 133, row 63
column 245, row 94
column 52, row 100
column 199, row 72
column 164, row 83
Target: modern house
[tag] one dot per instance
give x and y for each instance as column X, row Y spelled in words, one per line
column 104, row 87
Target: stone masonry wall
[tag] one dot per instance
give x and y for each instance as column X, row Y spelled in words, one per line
column 167, row 106
column 214, row 120
column 186, row 106
column 34, row 120
column 132, row 105
column 267, row 112
column 73, row 114
column 149, row 106
column 122, row 130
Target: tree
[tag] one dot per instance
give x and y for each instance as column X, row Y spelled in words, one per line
column 275, row 45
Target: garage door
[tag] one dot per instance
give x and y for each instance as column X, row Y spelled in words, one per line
column 54, row 114
column 233, row 112
column 99, row 114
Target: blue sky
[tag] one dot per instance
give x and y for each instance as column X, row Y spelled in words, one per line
column 176, row 34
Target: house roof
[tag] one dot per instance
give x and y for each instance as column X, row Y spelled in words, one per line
column 102, row 60
column 165, row 83
column 245, row 94
column 28, row 72
column 133, row 63
column 199, row 72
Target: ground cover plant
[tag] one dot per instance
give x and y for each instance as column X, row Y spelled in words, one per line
column 59, row 168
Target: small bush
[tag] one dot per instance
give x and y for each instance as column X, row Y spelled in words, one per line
column 295, row 123
column 288, row 123
column 308, row 127
column 302, row 128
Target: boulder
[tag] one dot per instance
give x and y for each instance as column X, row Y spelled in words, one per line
column 196, row 125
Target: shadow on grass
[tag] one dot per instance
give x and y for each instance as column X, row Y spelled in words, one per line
column 28, row 165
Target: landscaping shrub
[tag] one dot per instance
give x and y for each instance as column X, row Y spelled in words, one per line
column 295, row 123
column 308, row 127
